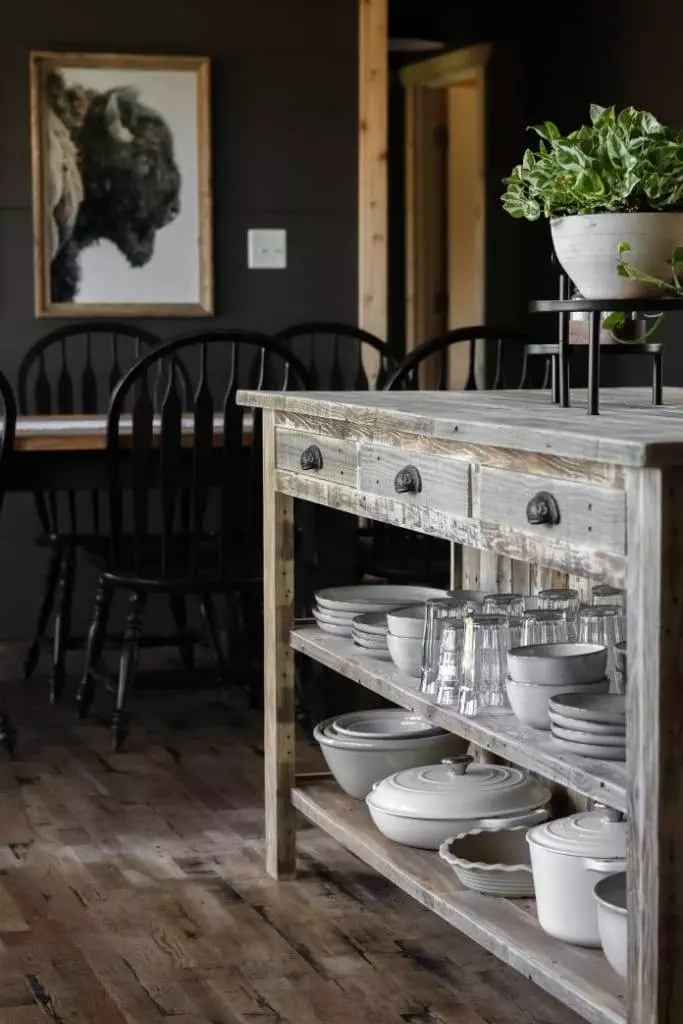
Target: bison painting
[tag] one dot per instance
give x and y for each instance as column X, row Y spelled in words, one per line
column 123, row 157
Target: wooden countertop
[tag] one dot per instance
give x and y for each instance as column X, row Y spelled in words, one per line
column 629, row 431
column 89, row 433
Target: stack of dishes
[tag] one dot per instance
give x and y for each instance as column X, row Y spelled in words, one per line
column 369, row 632
column 593, row 725
column 362, row 747
column 336, row 607
column 539, row 672
column 404, row 639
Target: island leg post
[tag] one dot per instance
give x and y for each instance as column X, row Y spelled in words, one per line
column 655, row 744
column 279, row 720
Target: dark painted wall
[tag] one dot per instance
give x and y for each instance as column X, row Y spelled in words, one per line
column 284, row 97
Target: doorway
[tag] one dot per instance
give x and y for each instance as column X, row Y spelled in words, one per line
column 445, row 203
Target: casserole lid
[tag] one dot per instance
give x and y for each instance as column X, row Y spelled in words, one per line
column 457, row 788
column 600, row 833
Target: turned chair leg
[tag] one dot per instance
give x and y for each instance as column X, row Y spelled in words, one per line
column 208, row 610
column 128, row 666
column 46, row 606
column 65, row 592
column 8, row 734
column 96, row 637
column 185, row 643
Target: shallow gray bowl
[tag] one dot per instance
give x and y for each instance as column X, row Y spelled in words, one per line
column 557, row 664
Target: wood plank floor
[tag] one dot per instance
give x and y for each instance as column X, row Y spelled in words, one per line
column 132, row 890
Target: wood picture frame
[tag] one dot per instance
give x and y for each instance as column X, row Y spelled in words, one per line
column 121, row 164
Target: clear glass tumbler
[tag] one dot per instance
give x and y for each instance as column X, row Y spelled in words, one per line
column 559, row 599
column 449, row 666
column 604, row 593
column 456, row 606
column 620, row 677
column 603, row 624
column 545, row 626
column 484, row 664
column 503, row 604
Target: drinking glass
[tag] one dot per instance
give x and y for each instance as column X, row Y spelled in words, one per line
column 438, row 608
column 544, row 626
column 503, row 604
column 484, row 658
column 561, row 600
column 603, row 593
column 620, row 678
column 603, row 624
column 449, row 659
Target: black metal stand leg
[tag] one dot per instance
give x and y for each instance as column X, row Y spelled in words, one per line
column 185, row 644
column 127, row 667
column 208, row 611
column 96, row 638
column 594, row 364
column 67, row 574
column 657, row 378
column 8, row 734
column 46, row 606
column 554, row 378
column 563, row 347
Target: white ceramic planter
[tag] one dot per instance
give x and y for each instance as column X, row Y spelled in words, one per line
column 586, row 247
column 568, row 857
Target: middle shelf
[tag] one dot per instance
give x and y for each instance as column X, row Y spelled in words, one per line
column 501, row 734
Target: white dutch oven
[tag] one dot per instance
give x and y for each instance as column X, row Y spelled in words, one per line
column 568, row 857
column 423, row 807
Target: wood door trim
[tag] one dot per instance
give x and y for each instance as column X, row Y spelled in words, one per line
column 447, row 69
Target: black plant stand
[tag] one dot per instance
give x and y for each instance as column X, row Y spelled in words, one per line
column 595, row 307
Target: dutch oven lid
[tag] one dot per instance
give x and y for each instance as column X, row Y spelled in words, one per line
column 600, row 833
column 457, row 788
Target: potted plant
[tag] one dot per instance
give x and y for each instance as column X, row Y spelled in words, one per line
column 618, row 179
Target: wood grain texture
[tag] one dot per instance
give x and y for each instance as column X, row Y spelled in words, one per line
column 89, row 433
column 496, row 538
column 630, row 432
column 501, row 734
column 590, row 516
column 278, row 682
column 508, row 928
column 339, row 458
column 655, row 713
column 445, row 483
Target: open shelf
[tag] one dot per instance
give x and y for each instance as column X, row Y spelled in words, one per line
column 580, row 978
column 501, row 734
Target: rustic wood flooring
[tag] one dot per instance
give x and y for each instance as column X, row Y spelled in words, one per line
column 132, row 889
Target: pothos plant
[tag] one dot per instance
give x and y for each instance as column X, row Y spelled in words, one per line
column 624, row 162
column 616, row 321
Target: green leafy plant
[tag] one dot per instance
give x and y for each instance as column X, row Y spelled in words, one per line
column 617, row 321
column 624, row 162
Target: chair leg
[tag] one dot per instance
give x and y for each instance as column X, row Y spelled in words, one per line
column 65, row 593
column 47, row 604
column 208, row 610
column 128, row 666
column 93, row 653
column 8, row 734
column 185, row 644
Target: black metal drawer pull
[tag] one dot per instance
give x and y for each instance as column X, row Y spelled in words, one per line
column 543, row 510
column 311, row 458
column 408, row 481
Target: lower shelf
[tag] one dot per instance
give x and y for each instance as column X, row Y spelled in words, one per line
column 580, row 978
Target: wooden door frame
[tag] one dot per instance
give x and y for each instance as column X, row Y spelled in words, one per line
column 436, row 73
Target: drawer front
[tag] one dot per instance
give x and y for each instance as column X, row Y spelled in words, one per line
column 423, row 480
column 324, row 458
column 585, row 514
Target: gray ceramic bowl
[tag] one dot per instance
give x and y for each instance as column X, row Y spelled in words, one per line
column 555, row 664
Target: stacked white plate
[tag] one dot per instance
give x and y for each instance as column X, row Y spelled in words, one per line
column 337, row 607
column 593, row 725
column 369, row 633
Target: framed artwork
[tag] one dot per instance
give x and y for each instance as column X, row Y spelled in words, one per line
column 121, row 185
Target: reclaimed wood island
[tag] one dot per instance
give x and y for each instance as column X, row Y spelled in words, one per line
column 481, row 457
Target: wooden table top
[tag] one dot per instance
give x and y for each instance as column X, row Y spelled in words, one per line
column 89, row 433
column 629, row 431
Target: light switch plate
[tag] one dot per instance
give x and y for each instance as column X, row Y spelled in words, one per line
column 266, row 249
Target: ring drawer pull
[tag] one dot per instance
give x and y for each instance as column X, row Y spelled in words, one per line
column 543, row 510
column 311, row 458
column 408, row 481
